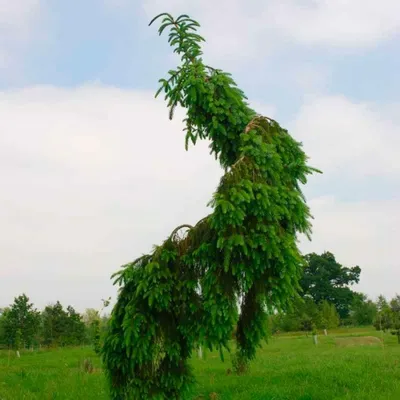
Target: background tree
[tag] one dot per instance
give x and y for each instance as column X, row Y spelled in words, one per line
column 96, row 325
column 300, row 316
column 363, row 311
column 21, row 322
column 54, row 324
column 325, row 279
column 3, row 339
column 395, row 308
column 304, row 314
column 186, row 291
column 384, row 316
column 96, row 338
column 381, row 303
column 62, row 327
column 93, row 328
column 395, row 304
column 328, row 316
column 90, row 315
column 75, row 333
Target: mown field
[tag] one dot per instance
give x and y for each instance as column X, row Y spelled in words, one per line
column 346, row 364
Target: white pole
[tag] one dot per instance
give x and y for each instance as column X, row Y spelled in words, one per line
column 200, row 352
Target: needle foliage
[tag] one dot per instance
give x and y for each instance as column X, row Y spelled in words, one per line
column 235, row 265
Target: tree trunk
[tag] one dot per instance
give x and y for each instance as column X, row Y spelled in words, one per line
column 325, row 332
column 315, row 339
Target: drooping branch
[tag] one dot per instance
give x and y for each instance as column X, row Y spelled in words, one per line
column 186, row 291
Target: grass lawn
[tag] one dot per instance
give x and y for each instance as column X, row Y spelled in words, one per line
column 346, row 364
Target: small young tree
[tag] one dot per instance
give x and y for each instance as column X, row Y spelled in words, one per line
column 395, row 308
column 96, row 325
column 75, row 328
column 186, row 292
column 384, row 317
column 92, row 321
column 96, row 336
column 54, row 319
column 328, row 316
column 21, row 321
column 363, row 311
column 62, row 327
column 3, row 337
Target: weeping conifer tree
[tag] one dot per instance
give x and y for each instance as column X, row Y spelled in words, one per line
column 186, row 292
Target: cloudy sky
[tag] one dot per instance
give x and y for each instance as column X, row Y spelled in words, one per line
column 93, row 173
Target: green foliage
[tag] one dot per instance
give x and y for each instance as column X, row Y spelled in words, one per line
column 384, row 316
column 3, row 339
column 363, row 311
column 20, row 323
column 187, row 291
column 96, row 326
column 325, row 279
column 96, row 336
column 62, row 327
column 304, row 315
column 395, row 308
column 17, row 340
column 328, row 316
column 240, row 364
column 388, row 316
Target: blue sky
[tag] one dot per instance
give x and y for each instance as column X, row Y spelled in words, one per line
column 81, row 134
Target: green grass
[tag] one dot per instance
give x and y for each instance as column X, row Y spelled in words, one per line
column 289, row 367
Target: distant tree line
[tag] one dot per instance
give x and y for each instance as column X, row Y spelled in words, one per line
column 22, row 326
column 326, row 300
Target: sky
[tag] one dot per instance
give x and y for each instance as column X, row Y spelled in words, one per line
column 93, row 173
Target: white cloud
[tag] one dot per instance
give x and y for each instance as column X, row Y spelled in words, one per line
column 309, row 77
column 117, row 4
column 336, row 22
column 238, row 29
column 343, row 137
column 363, row 233
column 18, row 20
column 354, row 142
column 92, row 177
column 232, row 29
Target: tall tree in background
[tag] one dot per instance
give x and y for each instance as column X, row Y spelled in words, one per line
column 325, row 279
column 186, row 291
column 21, row 323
